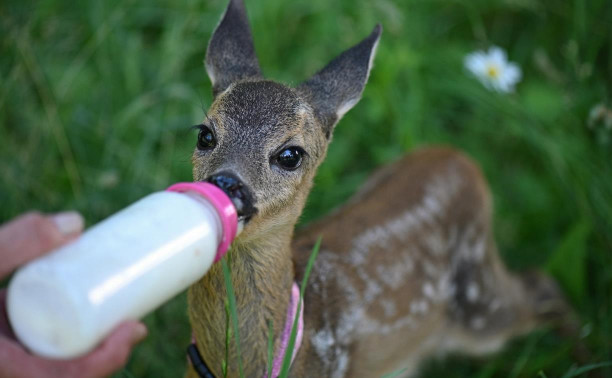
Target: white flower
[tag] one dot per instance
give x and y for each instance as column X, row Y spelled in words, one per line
column 600, row 114
column 493, row 69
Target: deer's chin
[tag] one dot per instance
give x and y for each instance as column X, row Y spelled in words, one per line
column 264, row 225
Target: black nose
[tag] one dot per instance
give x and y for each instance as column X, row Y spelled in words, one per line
column 237, row 192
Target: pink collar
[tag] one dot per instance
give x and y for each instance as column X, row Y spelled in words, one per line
column 294, row 303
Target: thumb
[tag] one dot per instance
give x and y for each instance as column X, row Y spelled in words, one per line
column 33, row 234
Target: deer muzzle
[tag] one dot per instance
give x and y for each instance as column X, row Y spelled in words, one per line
column 237, row 191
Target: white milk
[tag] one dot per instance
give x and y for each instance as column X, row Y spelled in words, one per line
column 63, row 304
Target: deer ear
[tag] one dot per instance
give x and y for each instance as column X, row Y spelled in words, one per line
column 230, row 56
column 337, row 88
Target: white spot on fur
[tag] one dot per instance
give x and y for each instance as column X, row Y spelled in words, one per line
column 352, row 296
column 389, row 307
column 419, row 306
column 472, row 244
column 386, row 329
column 372, row 291
column 479, row 249
column 478, row 323
column 407, row 262
column 395, row 275
column 374, row 326
column 445, row 288
column 425, row 214
column 494, row 305
column 435, row 243
column 472, row 292
column 302, row 111
column 342, row 365
column 433, row 204
column 347, row 324
column 323, row 341
column 428, row 290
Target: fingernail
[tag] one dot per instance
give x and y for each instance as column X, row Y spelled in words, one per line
column 69, row 222
column 139, row 332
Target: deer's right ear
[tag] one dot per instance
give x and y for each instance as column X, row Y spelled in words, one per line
column 337, row 88
column 230, row 56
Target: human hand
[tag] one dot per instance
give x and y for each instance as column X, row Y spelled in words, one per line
column 22, row 240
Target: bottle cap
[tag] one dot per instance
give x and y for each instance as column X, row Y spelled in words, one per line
column 224, row 206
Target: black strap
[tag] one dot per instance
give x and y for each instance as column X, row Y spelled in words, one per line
column 198, row 362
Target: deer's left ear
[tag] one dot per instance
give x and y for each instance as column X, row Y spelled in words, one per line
column 337, row 88
column 230, row 56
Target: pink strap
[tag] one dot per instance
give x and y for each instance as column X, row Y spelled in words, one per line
column 224, row 206
column 277, row 364
column 291, row 311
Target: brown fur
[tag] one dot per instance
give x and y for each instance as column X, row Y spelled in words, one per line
column 408, row 268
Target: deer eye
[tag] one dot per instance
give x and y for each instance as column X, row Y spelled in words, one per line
column 290, row 158
column 206, row 138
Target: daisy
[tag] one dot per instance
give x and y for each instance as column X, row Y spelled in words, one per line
column 600, row 114
column 493, row 69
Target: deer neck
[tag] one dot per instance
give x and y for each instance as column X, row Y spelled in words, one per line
column 262, row 276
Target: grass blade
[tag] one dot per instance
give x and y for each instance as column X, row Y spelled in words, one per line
column 581, row 370
column 270, row 348
column 233, row 312
column 288, row 353
column 228, row 336
column 396, row 373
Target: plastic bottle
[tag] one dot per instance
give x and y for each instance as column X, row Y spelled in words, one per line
column 62, row 304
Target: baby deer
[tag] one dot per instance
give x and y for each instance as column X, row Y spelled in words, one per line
column 407, row 268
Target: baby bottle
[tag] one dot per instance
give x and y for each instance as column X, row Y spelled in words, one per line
column 62, row 304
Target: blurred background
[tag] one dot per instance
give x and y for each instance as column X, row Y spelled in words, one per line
column 96, row 100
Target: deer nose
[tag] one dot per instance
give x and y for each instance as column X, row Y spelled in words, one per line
column 238, row 192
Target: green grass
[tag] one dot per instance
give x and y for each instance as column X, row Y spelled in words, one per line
column 303, row 287
column 233, row 317
column 288, row 356
column 96, row 99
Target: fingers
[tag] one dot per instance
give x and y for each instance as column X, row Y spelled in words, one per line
column 5, row 328
column 24, row 239
column 33, row 234
column 113, row 353
column 109, row 357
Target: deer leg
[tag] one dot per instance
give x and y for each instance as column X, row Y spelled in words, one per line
column 490, row 305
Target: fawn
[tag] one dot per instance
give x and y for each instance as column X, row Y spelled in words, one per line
column 407, row 268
